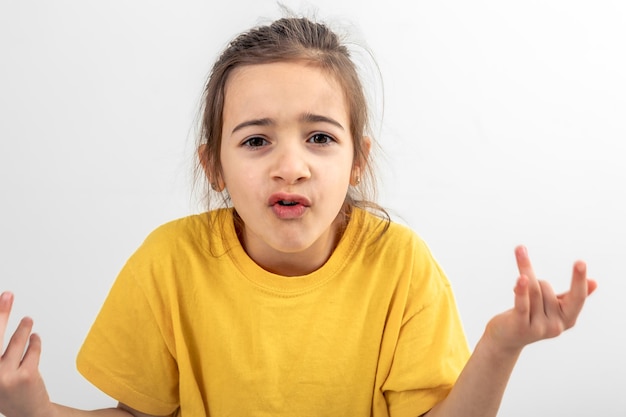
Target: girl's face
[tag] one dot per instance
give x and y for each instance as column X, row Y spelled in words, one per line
column 287, row 159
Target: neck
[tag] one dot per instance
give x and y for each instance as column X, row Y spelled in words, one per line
column 292, row 264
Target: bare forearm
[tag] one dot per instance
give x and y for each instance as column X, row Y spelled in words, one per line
column 62, row 411
column 479, row 389
column 537, row 314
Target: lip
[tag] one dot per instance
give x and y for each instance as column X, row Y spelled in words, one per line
column 289, row 212
column 296, row 198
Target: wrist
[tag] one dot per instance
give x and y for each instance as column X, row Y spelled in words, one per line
column 56, row 410
column 496, row 350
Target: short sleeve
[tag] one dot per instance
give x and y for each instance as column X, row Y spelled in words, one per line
column 430, row 353
column 125, row 353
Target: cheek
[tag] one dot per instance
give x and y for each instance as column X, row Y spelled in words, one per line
column 336, row 175
column 341, row 168
column 241, row 178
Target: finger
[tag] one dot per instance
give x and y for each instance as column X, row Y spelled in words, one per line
column 551, row 306
column 6, row 302
column 33, row 353
column 522, row 302
column 535, row 298
column 15, row 349
column 579, row 286
column 591, row 286
column 523, row 262
column 572, row 301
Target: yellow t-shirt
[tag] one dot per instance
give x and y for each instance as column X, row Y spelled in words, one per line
column 193, row 324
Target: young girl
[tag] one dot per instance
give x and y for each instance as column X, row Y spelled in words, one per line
column 299, row 297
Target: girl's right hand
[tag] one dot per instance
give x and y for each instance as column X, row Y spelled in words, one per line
column 22, row 391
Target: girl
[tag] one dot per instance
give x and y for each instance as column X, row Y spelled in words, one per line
column 299, row 297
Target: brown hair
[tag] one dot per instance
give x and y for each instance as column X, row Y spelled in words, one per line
column 290, row 39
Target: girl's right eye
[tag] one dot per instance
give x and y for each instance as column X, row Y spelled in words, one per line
column 255, row 142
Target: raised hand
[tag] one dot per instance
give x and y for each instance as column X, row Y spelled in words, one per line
column 22, row 391
column 538, row 312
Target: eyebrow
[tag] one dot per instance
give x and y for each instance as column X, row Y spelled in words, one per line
column 255, row 122
column 307, row 118
column 316, row 118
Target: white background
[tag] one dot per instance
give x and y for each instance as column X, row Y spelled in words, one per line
column 504, row 123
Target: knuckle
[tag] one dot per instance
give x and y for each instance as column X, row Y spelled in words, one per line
column 17, row 380
column 570, row 323
column 555, row 328
column 7, row 381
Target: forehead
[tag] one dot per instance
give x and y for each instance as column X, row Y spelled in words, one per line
column 283, row 89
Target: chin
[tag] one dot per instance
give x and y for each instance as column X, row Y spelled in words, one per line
column 293, row 248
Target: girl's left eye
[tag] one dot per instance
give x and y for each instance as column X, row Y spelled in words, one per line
column 321, row 139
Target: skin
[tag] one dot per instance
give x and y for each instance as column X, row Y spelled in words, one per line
column 285, row 154
column 22, row 389
column 537, row 314
column 286, row 130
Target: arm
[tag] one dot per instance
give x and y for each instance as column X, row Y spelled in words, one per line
column 22, row 390
column 122, row 410
column 537, row 314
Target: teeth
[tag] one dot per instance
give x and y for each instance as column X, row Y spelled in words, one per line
column 287, row 203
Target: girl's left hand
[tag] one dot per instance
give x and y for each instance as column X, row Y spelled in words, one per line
column 538, row 313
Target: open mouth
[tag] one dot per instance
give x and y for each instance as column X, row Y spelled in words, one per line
column 288, row 200
column 289, row 206
column 287, row 203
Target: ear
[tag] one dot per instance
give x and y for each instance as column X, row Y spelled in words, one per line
column 217, row 184
column 360, row 162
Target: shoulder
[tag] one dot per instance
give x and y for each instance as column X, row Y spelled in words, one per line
column 176, row 254
column 402, row 254
column 388, row 235
column 198, row 236
column 196, row 230
column 179, row 229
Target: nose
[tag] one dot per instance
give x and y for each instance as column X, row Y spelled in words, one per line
column 291, row 164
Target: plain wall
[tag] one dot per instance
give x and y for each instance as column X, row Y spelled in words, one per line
column 504, row 123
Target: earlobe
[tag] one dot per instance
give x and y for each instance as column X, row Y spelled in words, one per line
column 355, row 178
column 367, row 147
column 361, row 161
column 215, row 179
column 218, row 186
